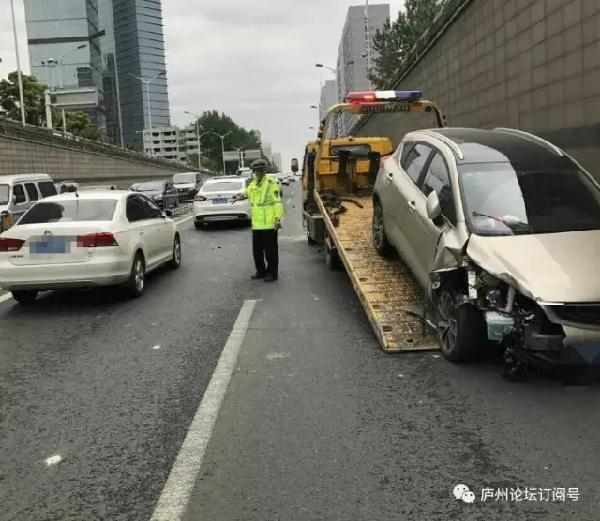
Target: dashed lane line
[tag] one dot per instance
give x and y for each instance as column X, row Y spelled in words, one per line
column 175, row 496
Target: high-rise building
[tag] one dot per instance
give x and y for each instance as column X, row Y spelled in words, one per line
column 329, row 97
column 107, row 45
column 64, row 41
column 140, row 50
column 171, row 143
column 352, row 63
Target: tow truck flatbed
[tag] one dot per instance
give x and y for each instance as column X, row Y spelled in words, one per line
column 386, row 288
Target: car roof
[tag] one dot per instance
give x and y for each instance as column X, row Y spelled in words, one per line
column 16, row 178
column 93, row 194
column 503, row 145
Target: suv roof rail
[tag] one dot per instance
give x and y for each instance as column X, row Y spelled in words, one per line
column 532, row 137
column 455, row 148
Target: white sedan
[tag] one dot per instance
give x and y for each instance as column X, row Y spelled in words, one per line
column 215, row 201
column 87, row 239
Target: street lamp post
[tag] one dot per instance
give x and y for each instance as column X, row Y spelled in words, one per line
column 147, row 83
column 222, row 136
column 198, row 138
column 19, row 72
column 241, row 153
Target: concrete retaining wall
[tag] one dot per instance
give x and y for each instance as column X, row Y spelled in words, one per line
column 527, row 64
column 31, row 149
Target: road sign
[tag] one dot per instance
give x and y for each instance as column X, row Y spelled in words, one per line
column 75, row 98
column 253, row 154
column 231, row 156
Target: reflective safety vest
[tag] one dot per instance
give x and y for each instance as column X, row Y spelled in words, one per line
column 265, row 199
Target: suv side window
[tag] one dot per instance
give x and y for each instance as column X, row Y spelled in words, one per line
column 47, row 189
column 32, row 192
column 415, row 161
column 19, row 194
column 438, row 180
column 136, row 210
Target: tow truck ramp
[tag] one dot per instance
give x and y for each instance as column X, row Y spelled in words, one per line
column 386, row 288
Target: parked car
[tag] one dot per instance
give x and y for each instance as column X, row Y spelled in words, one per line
column 88, row 188
column 163, row 193
column 66, row 186
column 87, row 239
column 214, row 201
column 503, row 228
column 19, row 192
column 187, row 184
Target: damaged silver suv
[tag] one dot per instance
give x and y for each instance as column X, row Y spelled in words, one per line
column 503, row 229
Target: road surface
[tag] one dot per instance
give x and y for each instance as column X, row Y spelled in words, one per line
column 315, row 422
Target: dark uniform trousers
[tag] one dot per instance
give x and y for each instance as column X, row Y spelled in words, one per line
column 264, row 245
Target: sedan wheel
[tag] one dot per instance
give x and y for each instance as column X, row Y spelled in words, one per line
column 175, row 262
column 137, row 278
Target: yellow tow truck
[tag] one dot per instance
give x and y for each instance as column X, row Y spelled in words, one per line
column 338, row 179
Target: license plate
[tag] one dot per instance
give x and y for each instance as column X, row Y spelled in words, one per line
column 48, row 245
column 220, row 201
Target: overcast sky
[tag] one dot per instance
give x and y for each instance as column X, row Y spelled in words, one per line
column 253, row 59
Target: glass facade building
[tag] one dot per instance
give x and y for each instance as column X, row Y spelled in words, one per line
column 140, row 48
column 107, row 45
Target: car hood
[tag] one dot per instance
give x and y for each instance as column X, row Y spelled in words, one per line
column 185, row 185
column 553, row 267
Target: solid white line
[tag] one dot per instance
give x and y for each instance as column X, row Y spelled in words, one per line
column 5, row 298
column 174, row 498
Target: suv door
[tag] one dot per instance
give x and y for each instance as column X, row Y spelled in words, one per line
column 423, row 235
column 403, row 197
column 18, row 204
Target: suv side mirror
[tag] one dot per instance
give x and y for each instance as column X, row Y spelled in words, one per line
column 434, row 209
column 168, row 213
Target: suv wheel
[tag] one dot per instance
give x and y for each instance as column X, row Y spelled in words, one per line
column 380, row 241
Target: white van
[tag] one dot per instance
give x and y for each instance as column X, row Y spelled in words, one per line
column 19, row 192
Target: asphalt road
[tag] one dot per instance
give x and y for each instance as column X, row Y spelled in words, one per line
column 317, row 423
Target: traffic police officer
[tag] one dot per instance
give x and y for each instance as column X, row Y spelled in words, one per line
column 267, row 212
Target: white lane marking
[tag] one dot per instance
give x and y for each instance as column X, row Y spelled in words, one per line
column 53, row 460
column 156, row 348
column 174, row 498
column 5, row 298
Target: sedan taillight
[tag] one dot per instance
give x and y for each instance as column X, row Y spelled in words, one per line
column 97, row 240
column 200, row 198
column 11, row 244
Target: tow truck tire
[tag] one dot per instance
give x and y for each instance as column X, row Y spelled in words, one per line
column 464, row 335
column 380, row 240
column 25, row 297
column 332, row 258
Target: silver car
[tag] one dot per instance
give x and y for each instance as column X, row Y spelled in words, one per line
column 502, row 229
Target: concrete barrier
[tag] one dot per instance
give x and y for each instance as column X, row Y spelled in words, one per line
column 527, row 64
column 33, row 149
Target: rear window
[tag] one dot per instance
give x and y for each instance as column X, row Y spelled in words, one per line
column 223, row 186
column 47, row 189
column 70, row 211
column 4, row 193
column 184, row 178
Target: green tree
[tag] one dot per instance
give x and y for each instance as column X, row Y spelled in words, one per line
column 33, row 96
column 219, row 123
column 78, row 124
column 394, row 42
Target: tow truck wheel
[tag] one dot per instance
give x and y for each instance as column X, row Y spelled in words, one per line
column 380, row 241
column 461, row 328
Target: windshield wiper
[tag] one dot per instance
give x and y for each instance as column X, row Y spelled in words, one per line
column 510, row 221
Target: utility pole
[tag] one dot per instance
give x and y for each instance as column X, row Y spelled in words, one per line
column 19, row 72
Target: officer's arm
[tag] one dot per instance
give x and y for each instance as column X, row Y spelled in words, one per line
column 277, row 204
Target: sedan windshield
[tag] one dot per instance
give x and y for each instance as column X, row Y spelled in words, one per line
column 4, row 194
column 148, row 187
column 499, row 200
column 70, row 211
column 184, row 178
column 223, row 186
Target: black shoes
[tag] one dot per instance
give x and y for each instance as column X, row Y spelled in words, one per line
column 270, row 278
column 258, row 276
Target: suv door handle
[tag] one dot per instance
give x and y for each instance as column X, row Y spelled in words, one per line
column 412, row 206
column 390, row 175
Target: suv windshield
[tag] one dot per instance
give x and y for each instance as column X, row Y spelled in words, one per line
column 4, row 194
column 149, row 187
column 184, row 178
column 70, row 211
column 499, row 200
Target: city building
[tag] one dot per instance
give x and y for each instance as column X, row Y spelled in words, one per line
column 329, row 97
column 171, row 143
column 64, row 42
column 267, row 151
column 110, row 46
column 277, row 161
column 140, row 50
column 352, row 63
